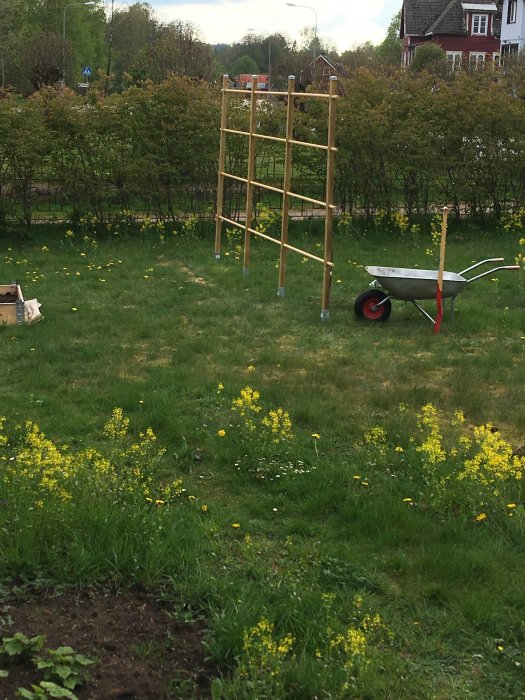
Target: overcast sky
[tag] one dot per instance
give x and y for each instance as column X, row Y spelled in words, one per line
column 345, row 23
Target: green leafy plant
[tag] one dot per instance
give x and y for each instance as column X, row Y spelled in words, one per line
column 64, row 664
column 63, row 668
column 44, row 690
column 21, row 645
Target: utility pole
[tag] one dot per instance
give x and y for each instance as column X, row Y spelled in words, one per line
column 110, row 47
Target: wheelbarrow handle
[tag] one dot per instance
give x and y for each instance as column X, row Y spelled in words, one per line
column 483, row 262
column 494, row 269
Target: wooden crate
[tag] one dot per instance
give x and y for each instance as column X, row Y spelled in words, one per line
column 11, row 312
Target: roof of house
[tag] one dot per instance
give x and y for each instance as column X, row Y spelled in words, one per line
column 423, row 17
column 321, row 58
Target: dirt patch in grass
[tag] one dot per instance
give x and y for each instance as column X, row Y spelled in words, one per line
column 192, row 277
column 141, row 651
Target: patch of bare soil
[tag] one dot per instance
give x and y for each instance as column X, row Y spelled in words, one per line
column 141, row 651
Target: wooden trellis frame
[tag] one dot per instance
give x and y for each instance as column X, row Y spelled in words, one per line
column 286, row 194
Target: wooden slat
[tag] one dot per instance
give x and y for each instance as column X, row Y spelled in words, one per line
column 264, row 186
column 235, row 131
column 253, row 231
column 279, row 139
column 308, row 199
column 234, row 177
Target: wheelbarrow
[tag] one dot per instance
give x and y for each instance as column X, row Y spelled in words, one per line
column 413, row 285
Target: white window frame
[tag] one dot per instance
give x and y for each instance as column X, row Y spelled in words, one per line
column 482, row 22
column 476, row 60
column 454, row 59
column 512, row 12
column 496, row 59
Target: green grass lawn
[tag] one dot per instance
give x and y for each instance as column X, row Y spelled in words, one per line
column 355, row 517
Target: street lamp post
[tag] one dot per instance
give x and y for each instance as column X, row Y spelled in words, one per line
column 307, row 7
column 64, row 35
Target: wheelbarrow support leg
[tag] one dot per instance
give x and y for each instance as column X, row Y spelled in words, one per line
column 420, row 308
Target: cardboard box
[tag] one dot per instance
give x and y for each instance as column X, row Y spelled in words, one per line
column 12, row 310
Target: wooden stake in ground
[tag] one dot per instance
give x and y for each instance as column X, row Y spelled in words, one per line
column 439, row 293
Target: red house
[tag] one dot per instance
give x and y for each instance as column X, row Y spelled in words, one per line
column 244, row 81
column 469, row 32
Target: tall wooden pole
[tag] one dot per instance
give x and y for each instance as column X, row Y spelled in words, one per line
column 329, row 200
column 439, row 292
column 287, row 180
column 222, row 163
column 251, row 175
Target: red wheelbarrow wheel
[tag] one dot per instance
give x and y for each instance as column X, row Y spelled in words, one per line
column 365, row 306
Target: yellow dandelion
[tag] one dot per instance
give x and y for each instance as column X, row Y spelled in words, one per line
column 481, row 517
column 512, row 505
column 236, row 526
column 407, row 500
column 159, row 502
column 221, row 432
column 250, row 368
column 74, row 308
column 204, row 508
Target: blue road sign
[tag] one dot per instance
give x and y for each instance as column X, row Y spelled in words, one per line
column 86, row 71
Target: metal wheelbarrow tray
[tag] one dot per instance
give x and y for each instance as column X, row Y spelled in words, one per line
column 411, row 285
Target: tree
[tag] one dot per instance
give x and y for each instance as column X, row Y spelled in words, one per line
column 11, row 13
column 177, row 50
column 363, row 56
column 390, row 50
column 245, row 64
column 42, row 59
column 429, row 57
column 133, row 30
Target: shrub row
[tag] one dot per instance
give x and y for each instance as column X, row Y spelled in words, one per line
column 410, row 142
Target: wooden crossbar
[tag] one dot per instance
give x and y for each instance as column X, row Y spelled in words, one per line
column 278, row 190
column 264, row 93
column 280, row 139
column 260, row 234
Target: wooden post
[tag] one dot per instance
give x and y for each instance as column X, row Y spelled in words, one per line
column 329, row 201
column 286, row 184
column 222, row 163
column 251, row 175
column 439, row 292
